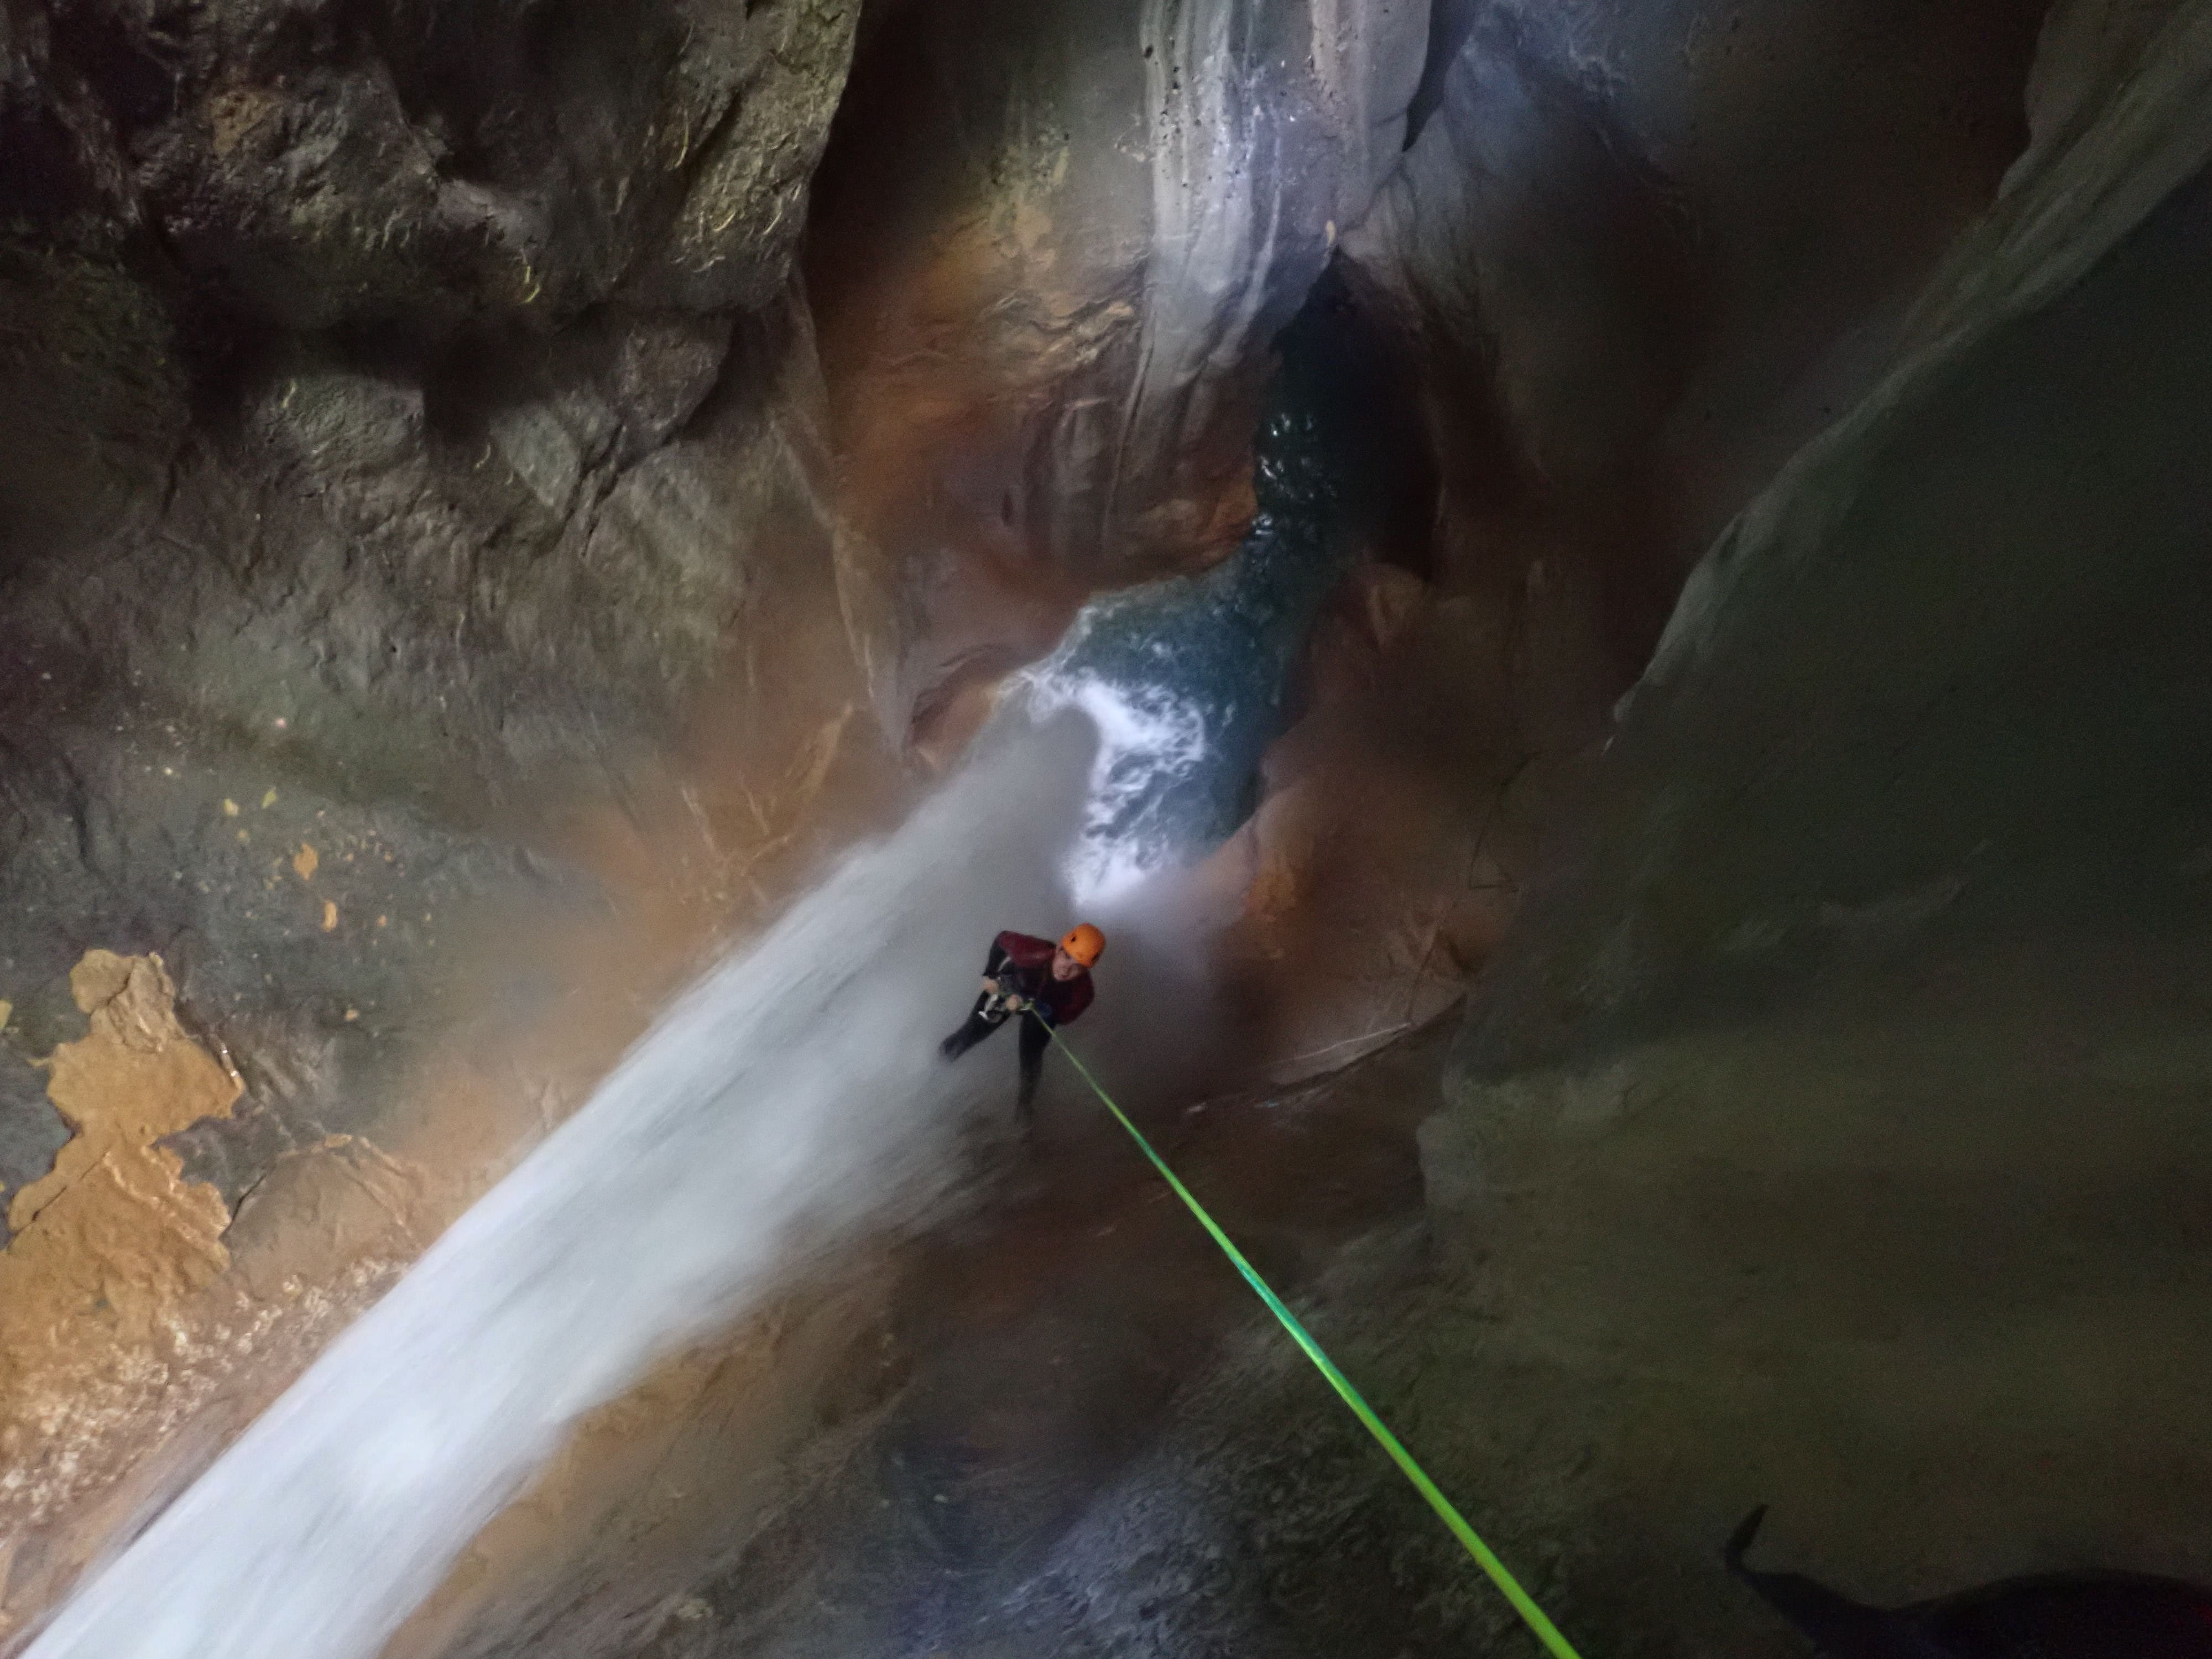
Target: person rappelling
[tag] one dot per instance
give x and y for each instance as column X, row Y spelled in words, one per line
column 1046, row 985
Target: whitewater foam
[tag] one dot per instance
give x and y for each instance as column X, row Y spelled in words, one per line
column 790, row 1097
column 1150, row 740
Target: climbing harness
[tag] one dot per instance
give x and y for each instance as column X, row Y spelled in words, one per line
column 1531, row 1615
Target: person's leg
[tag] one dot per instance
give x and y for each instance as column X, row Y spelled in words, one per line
column 979, row 1025
column 1036, row 1037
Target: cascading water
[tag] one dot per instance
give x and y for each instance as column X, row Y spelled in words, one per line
column 789, row 1099
column 1185, row 678
column 778, row 1105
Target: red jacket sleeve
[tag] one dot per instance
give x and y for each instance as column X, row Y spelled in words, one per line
column 1024, row 952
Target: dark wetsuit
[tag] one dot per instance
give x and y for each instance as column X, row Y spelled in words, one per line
column 1026, row 964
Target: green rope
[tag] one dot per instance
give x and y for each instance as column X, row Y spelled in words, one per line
column 1547, row 1632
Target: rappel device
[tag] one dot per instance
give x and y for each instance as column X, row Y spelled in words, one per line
column 999, row 1003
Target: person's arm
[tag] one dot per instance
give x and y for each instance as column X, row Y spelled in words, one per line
column 1024, row 952
column 1027, row 957
column 993, row 964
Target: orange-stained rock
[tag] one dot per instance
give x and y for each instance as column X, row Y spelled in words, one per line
column 113, row 1235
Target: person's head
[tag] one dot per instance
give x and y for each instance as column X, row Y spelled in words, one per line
column 1082, row 947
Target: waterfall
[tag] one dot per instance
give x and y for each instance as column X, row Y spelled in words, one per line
column 790, row 1097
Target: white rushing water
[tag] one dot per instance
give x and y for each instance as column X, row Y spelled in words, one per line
column 793, row 1095
column 1149, row 739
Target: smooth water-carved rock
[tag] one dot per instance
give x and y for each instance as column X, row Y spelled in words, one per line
column 1054, row 245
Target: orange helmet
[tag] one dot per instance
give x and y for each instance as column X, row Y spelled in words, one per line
column 1085, row 943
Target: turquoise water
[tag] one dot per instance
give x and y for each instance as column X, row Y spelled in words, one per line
column 1189, row 679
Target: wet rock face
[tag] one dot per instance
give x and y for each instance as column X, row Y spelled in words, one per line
column 208, row 205
column 394, row 301
column 1052, row 244
column 406, row 411
column 392, row 400
column 1633, row 256
column 423, row 165
column 1910, row 689
column 1638, row 254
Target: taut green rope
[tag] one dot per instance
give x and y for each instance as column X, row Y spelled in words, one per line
column 1547, row 1632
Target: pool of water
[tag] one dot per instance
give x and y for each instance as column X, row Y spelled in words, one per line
column 1187, row 679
